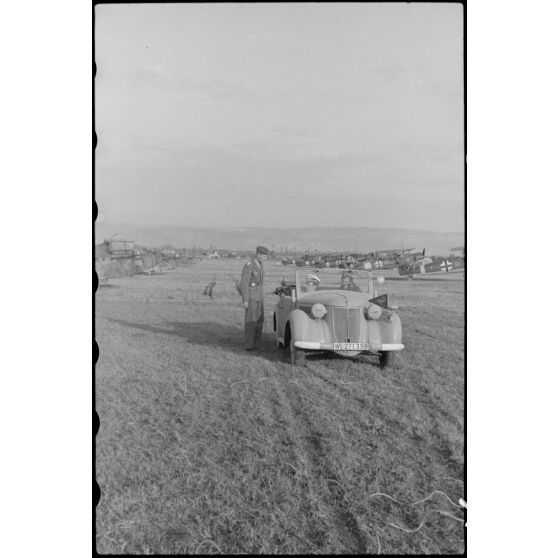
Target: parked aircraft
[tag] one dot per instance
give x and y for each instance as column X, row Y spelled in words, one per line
column 391, row 254
column 308, row 260
column 435, row 264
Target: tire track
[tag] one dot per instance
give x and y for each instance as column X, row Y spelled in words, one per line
column 342, row 390
column 414, row 444
column 304, row 439
column 346, row 526
column 441, row 448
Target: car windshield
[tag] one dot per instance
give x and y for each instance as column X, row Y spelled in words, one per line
column 328, row 279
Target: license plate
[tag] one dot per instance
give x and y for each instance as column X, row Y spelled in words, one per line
column 350, row 346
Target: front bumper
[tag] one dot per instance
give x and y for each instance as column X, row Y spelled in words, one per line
column 374, row 347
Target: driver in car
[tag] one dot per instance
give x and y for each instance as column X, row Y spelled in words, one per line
column 312, row 282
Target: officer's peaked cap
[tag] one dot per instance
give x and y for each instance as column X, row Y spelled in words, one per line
column 312, row 277
column 261, row 250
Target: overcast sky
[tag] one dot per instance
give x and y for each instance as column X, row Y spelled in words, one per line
column 280, row 115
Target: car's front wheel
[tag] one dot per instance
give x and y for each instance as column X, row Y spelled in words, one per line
column 387, row 359
column 298, row 356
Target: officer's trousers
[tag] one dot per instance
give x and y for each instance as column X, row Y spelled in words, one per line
column 253, row 324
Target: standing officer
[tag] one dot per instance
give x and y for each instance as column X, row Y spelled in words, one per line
column 251, row 288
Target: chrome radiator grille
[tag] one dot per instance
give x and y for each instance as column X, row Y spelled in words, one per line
column 345, row 330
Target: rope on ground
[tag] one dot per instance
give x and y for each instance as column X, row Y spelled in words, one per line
column 441, row 512
column 462, row 504
column 438, row 492
column 459, row 505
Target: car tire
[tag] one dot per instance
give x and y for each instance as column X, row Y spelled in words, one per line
column 387, row 359
column 278, row 345
column 281, row 350
column 298, row 356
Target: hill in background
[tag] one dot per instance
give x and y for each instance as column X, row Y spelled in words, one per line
column 324, row 239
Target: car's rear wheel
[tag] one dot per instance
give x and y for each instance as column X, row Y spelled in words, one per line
column 282, row 351
column 387, row 359
column 298, row 356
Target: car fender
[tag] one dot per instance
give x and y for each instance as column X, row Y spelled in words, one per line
column 305, row 328
column 276, row 315
column 385, row 331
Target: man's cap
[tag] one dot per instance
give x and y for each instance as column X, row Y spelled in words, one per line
column 261, row 250
column 312, row 277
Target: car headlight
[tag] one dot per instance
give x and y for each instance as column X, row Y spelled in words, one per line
column 318, row 310
column 374, row 312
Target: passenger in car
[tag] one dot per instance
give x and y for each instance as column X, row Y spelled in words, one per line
column 348, row 282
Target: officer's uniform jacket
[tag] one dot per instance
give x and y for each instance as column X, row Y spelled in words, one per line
column 251, row 283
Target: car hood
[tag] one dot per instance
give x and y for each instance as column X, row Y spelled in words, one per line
column 335, row 298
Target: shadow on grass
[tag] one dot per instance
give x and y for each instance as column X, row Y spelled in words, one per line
column 231, row 339
column 211, row 334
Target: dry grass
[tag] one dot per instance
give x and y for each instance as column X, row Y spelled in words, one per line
column 204, row 448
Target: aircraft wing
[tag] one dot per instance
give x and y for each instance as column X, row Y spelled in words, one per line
column 429, row 266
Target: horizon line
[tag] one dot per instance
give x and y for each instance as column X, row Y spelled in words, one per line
column 216, row 227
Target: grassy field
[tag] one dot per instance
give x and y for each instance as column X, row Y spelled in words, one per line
column 205, row 448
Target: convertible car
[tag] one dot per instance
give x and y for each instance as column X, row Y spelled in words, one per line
column 336, row 310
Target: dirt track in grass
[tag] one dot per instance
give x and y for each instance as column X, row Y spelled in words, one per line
column 204, row 448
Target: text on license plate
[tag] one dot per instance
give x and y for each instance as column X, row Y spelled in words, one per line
column 350, row 346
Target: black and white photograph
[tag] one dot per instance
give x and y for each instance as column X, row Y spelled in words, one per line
column 280, row 259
